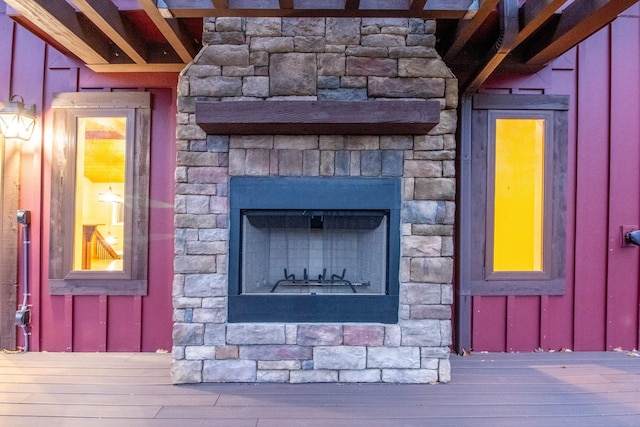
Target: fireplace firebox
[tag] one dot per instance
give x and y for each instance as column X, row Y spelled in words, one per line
column 314, row 249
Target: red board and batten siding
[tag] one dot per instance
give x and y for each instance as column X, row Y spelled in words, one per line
column 92, row 323
column 599, row 310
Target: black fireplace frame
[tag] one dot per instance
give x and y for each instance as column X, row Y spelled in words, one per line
column 314, row 193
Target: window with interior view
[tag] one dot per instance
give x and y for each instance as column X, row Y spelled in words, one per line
column 518, row 171
column 100, row 188
column 99, row 193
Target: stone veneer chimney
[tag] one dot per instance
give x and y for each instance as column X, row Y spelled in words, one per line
column 314, row 59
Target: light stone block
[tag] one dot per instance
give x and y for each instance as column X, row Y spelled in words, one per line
column 272, row 376
column 339, row 357
column 410, row 376
column 249, row 333
column 324, row 376
column 225, row 371
column 393, row 357
column 360, row 376
column 186, row 371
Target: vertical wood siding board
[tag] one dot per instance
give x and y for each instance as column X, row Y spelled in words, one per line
column 622, row 280
column 8, row 277
column 489, row 323
column 122, row 326
column 54, row 337
column 509, row 325
column 591, row 193
column 67, row 330
column 136, row 331
column 28, row 65
column 7, row 27
column 101, row 332
column 156, row 308
column 558, row 312
column 526, row 323
column 543, row 337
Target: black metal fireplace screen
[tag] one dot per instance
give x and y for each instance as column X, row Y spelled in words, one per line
column 309, row 249
column 314, row 251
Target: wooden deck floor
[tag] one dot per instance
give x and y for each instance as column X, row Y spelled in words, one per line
column 133, row 389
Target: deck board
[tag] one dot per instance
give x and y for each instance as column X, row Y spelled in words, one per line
column 134, row 389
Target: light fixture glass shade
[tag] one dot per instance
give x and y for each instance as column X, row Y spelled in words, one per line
column 109, row 197
column 16, row 120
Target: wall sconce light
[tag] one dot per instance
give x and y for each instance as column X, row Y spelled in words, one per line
column 17, row 120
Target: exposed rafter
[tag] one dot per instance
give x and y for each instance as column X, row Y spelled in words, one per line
column 175, row 34
column 577, row 22
column 58, row 19
column 107, row 18
column 165, row 35
column 466, row 29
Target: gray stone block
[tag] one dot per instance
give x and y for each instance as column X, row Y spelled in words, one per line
column 256, row 86
column 319, row 335
column 342, row 94
column 186, row 371
column 303, row 27
column 331, row 64
column 432, row 270
column 423, row 212
column 339, row 357
column 393, row 357
column 217, row 143
column 421, row 333
column 205, row 285
column 343, row 161
column 313, row 376
column 222, row 371
column 420, row 293
column 290, row 162
column 188, row 334
column 224, row 55
column 248, row 333
column 421, row 246
column 406, row 87
column 275, row 352
column 370, row 163
column 365, row 66
column 293, row 74
column 360, row 376
column 343, row 31
column 263, row 26
column 392, row 162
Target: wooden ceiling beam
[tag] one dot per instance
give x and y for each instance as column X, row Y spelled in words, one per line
column 577, row 22
column 534, row 14
column 179, row 39
column 429, row 9
column 417, row 4
column 105, row 15
column 137, row 68
column 352, row 4
column 466, row 29
column 59, row 20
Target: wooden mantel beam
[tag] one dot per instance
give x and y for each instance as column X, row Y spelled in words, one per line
column 318, row 117
column 577, row 22
column 60, row 20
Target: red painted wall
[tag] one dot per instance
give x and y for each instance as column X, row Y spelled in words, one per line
column 90, row 323
column 599, row 310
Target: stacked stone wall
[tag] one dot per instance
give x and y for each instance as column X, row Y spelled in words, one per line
column 266, row 60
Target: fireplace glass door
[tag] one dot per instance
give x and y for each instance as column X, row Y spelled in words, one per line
column 314, row 252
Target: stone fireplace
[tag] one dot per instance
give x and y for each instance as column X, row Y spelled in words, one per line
column 314, row 203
